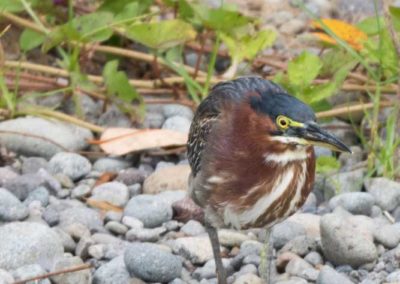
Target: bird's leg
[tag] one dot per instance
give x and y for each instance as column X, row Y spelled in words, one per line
column 221, row 273
column 266, row 255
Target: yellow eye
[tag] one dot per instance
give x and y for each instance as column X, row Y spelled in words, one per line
column 283, row 122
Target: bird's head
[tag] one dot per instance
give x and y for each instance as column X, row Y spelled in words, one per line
column 293, row 121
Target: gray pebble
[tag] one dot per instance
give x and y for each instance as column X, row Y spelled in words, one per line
column 87, row 217
column 21, row 186
column 67, row 241
column 153, row 120
column 24, row 243
column 328, row 275
column 113, row 272
column 116, row 228
column 150, row 209
column 6, row 277
column 82, row 247
column 208, row 271
column 11, row 209
column 70, row 164
column 170, row 110
column 193, row 228
column 51, row 216
column 132, row 222
column 131, row 176
column 68, row 136
column 345, row 243
column 145, row 235
column 314, row 258
column 301, row 268
column 388, row 235
column 113, row 216
column 109, row 164
column 7, row 173
column 80, row 191
column 354, row 202
column 284, row 232
column 114, row 192
column 152, row 264
column 40, row 194
column 301, row 245
column 385, row 191
column 393, row 277
column 33, row 164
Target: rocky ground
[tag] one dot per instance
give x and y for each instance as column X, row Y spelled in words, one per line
column 347, row 232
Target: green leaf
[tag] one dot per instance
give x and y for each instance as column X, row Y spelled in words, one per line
column 304, row 69
column 161, row 35
column 334, row 60
column 94, row 26
column 11, row 6
column 117, row 83
column 248, row 46
column 316, row 93
column 30, row 39
column 221, row 19
column 327, row 164
column 117, row 7
column 60, row 34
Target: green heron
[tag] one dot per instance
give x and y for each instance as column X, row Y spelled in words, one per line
column 251, row 152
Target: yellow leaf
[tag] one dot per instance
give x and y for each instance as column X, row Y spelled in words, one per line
column 347, row 32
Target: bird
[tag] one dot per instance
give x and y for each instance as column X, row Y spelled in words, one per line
column 251, row 153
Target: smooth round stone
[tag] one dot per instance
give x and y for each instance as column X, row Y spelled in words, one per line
column 131, row 176
column 6, row 277
column 314, row 258
column 132, row 222
column 208, row 271
column 87, row 217
column 193, row 228
column 114, row 192
column 196, row 249
column 388, row 235
column 145, row 235
column 108, row 164
column 7, row 173
column 24, row 243
column 70, row 164
column 11, row 209
column 113, row 272
column 21, row 186
column 171, row 110
column 354, row 202
column 152, row 264
column 116, row 228
column 172, row 178
column 346, row 242
column 69, row 136
column 385, row 191
column 82, row 190
column 149, row 209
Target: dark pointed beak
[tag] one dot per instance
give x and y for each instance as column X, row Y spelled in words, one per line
column 315, row 135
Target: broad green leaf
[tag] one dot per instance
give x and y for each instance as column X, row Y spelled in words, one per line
column 327, row 164
column 395, row 13
column 248, row 46
column 117, row 83
column 161, row 35
column 15, row 6
column 94, row 26
column 304, row 69
column 221, row 19
column 60, row 34
column 30, row 39
column 116, row 7
column 131, row 10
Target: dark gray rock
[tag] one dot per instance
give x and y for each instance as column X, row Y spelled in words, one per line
column 21, row 186
column 11, row 209
column 284, row 232
column 150, row 209
column 328, row 275
column 343, row 242
column 131, row 176
column 152, row 264
column 51, row 216
column 46, row 137
column 24, row 243
column 70, row 164
column 385, row 191
column 354, row 202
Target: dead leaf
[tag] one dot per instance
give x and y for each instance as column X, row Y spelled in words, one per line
column 347, row 32
column 103, row 205
column 121, row 141
column 105, row 177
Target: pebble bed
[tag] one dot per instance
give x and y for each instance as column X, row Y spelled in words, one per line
column 347, row 232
